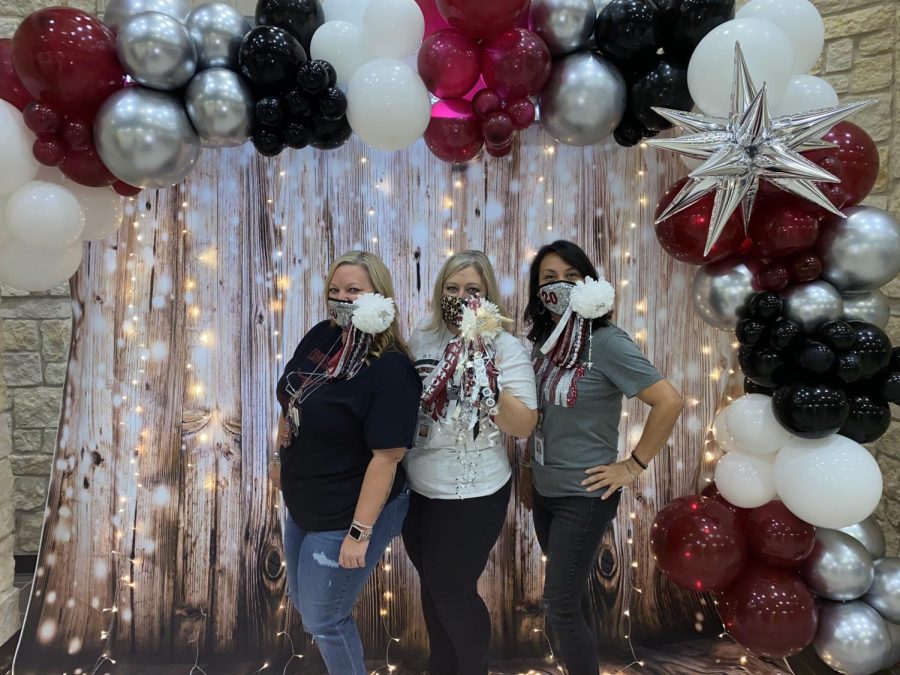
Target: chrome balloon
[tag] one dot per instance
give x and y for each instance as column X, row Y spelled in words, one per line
column 868, row 533
column 860, row 252
column 565, row 25
column 813, row 304
column 868, row 306
column 157, row 51
column 220, row 106
column 117, row 11
column 720, row 291
column 839, row 568
column 217, row 30
column 852, row 638
column 884, row 594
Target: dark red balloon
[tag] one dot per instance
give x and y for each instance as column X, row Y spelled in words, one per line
column 777, row 537
column 698, row 542
column 773, row 277
column 85, row 168
column 454, row 132
column 499, row 150
column 67, row 58
column 858, row 155
column 769, row 611
column 803, row 268
column 77, row 134
column 124, row 189
column 449, row 63
column 41, row 118
column 497, row 129
column 11, row 88
column 683, row 235
column 483, row 18
column 485, row 102
column 48, row 150
column 522, row 113
column 782, row 225
column 712, row 492
column 515, row 64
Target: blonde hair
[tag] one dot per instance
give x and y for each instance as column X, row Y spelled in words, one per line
column 380, row 277
column 455, row 263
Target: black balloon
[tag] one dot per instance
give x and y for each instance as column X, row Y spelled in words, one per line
column 765, row 306
column 312, row 77
column 331, row 134
column 298, row 134
column 895, row 359
column 270, row 111
column 785, row 334
column 751, row 332
column 837, row 334
column 683, row 23
column 625, row 29
column 300, row 18
column 869, row 419
column 750, row 387
column 268, row 141
column 332, row 73
column 873, row 346
column 888, row 386
column 811, row 411
column 269, row 57
column 663, row 85
column 630, row 131
column 763, row 365
column 298, row 102
column 849, row 367
column 332, row 104
column 815, row 357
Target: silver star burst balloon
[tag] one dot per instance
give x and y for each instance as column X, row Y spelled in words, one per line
column 748, row 147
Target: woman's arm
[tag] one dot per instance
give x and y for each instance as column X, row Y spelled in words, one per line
column 514, row 417
column 275, row 457
column 665, row 406
column 373, row 495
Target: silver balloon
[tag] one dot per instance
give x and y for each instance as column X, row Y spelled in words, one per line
column 217, row 30
column 839, row 568
column 894, row 656
column 117, row 11
column 157, row 51
column 868, row 533
column 884, row 594
column 565, row 25
column 145, row 137
column 220, row 106
column 813, row 304
column 584, row 99
column 852, row 638
column 868, row 306
column 720, row 292
column 862, row 251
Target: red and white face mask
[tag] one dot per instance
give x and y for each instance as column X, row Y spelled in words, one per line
column 556, row 295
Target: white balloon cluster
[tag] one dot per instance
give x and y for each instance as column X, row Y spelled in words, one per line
column 367, row 41
column 781, row 41
column 44, row 217
column 831, row 482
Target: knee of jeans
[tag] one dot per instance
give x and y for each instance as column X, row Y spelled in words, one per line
column 560, row 610
column 322, row 624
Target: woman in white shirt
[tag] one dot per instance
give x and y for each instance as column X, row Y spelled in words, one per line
column 478, row 384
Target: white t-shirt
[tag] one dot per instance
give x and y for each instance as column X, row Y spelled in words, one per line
column 478, row 466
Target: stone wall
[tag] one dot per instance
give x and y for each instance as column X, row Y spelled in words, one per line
column 9, row 601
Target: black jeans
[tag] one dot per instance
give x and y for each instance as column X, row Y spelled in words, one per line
column 569, row 531
column 448, row 542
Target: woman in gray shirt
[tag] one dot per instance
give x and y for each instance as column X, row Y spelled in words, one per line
column 584, row 366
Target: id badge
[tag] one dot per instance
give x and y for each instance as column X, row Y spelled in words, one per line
column 537, row 450
column 423, row 431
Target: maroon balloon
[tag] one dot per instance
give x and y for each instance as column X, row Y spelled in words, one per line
column 498, row 129
column 449, row 63
column 698, row 542
column 683, row 235
column 85, row 168
column 858, row 155
column 522, row 113
column 11, row 88
column 485, row 102
column 483, row 18
column 769, row 611
column 454, row 132
column 782, row 225
column 48, row 150
column 124, row 189
column 773, row 277
column 77, row 134
column 515, row 64
column 41, row 118
column 777, row 537
column 712, row 492
column 803, row 268
column 67, row 58
column 501, row 150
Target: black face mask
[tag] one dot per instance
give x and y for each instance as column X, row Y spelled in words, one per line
column 555, row 296
column 452, row 308
column 341, row 312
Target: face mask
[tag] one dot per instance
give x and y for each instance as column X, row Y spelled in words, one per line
column 451, row 309
column 555, row 296
column 341, row 312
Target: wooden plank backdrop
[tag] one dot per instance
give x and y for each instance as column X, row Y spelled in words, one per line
column 162, row 539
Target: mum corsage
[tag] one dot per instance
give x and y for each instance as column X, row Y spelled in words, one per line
column 373, row 313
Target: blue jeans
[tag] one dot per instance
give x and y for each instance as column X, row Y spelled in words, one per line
column 324, row 592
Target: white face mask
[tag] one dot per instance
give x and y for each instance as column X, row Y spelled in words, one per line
column 341, row 312
column 555, row 296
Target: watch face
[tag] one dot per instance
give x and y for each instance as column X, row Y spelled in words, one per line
column 355, row 532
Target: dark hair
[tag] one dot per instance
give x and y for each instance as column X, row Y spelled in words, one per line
column 535, row 313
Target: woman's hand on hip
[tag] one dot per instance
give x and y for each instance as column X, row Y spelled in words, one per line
column 610, row 476
column 275, row 474
column 353, row 553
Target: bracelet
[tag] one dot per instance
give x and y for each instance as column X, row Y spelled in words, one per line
column 361, row 526
column 638, row 461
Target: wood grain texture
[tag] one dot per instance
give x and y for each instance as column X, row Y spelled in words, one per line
column 159, row 503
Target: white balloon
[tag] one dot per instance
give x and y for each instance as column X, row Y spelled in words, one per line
column 103, row 211
column 751, row 422
column 18, row 166
column 806, row 92
column 801, row 22
column 387, row 104
column 767, row 51
column 746, row 480
column 832, row 482
column 723, row 437
column 4, row 226
column 345, row 10
column 45, row 215
column 341, row 44
column 29, row 268
column 393, row 28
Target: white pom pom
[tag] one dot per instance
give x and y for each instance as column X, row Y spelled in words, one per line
column 592, row 299
column 484, row 322
column 373, row 313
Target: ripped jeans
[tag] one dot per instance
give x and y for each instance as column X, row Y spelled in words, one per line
column 325, row 593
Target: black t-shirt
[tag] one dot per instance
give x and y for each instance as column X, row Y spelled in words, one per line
column 342, row 422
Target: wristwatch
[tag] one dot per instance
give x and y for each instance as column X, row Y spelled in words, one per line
column 358, row 534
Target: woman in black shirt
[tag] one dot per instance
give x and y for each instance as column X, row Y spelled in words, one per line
column 349, row 402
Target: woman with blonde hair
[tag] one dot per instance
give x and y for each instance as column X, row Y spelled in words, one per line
column 349, row 402
column 478, row 384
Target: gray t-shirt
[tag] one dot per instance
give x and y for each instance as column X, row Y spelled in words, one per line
column 587, row 434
